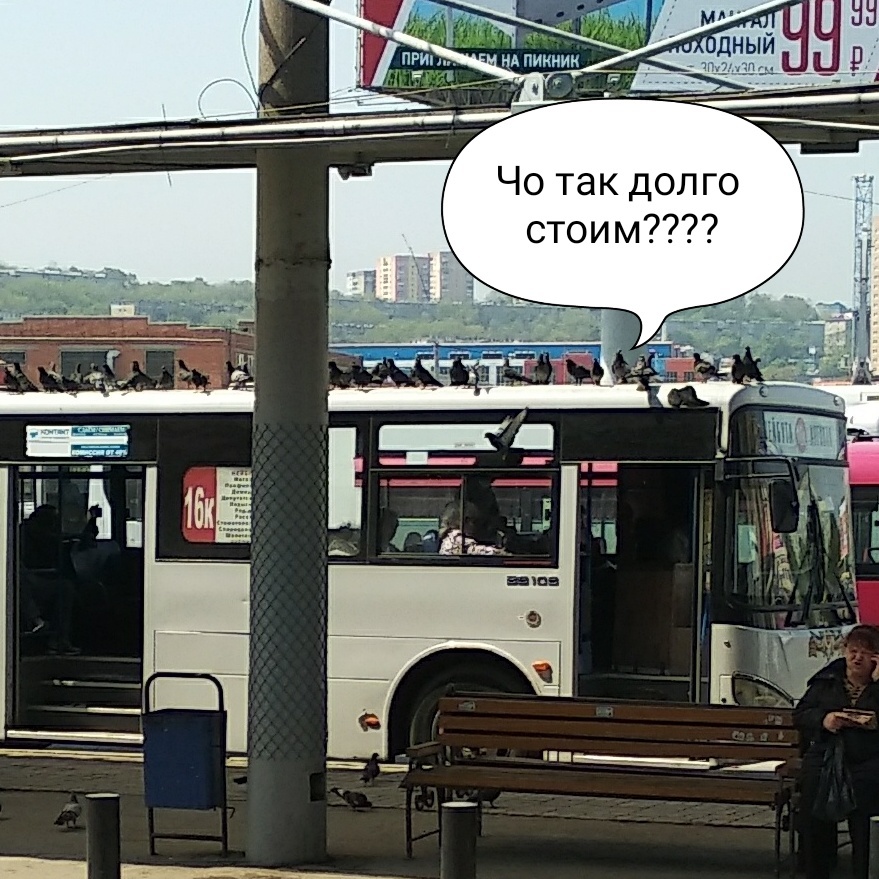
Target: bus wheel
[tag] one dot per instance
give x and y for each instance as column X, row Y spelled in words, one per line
column 421, row 709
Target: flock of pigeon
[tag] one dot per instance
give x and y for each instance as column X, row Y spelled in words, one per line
column 102, row 378
column 643, row 374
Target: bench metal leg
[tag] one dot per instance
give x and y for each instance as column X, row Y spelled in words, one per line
column 779, row 806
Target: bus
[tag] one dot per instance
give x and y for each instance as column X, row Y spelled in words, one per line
column 649, row 551
column 863, row 456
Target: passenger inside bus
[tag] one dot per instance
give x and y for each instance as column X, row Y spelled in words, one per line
column 459, row 529
column 45, row 593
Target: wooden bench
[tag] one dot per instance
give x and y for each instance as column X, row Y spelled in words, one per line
column 527, row 744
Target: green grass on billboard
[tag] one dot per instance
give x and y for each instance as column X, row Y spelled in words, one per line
column 477, row 33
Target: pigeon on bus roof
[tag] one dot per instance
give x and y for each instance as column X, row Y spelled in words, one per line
column 459, row 375
column 95, row 380
column 643, row 371
column 200, row 380
column 353, row 798
column 184, row 373
column 703, row 368
column 752, row 370
column 337, row 378
column 360, row 376
column 48, row 381
column 239, row 376
column 11, row 381
column 620, row 369
column 686, row 398
column 423, row 375
column 514, row 375
column 138, row 380
column 371, row 770
column 577, row 372
column 597, row 371
column 166, row 380
column 543, row 370
column 738, row 372
column 398, row 377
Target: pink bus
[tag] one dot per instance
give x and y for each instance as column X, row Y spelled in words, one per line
column 863, row 457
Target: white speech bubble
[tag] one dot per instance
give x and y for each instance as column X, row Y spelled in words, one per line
column 733, row 216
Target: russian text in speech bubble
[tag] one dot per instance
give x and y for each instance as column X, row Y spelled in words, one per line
column 641, row 205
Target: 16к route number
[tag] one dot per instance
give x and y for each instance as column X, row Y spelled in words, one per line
column 816, row 30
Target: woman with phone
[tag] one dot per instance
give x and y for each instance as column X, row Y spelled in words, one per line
column 842, row 700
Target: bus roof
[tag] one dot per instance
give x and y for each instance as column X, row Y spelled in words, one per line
column 725, row 396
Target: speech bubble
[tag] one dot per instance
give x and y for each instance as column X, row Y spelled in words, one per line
column 642, row 205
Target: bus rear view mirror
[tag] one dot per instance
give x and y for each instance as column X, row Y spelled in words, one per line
column 784, row 506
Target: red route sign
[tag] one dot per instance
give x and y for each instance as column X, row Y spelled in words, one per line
column 200, row 505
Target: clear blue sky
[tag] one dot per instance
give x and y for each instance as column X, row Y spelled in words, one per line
column 104, row 61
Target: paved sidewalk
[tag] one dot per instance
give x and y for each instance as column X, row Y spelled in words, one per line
column 525, row 837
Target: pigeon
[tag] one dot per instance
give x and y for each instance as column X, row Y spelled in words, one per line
column 577, row 372
column 597, row 372
column 643, row 371
column 166, row 380
column 752, row 371
column 200, row 380
column 685, row 398
column 239, row 376
column 184, row 373
column 371, row 770
column 353, row 798
column 337, row 378
column 109, row 375
column 543, row 371
column 459, row 375
column 361, row 377
column 397, row 376
column 424, row 376
column 69, row 814
column 23, row 381
column 138, row 380
column 95, row 380
column 738, row 373
column 10, row 380
column 620, row 369
column 513, row 375
column 484, row 796
column 48, row 381
column 502, row 439
column 703, row 368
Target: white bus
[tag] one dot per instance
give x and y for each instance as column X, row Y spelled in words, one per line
column 646, row 552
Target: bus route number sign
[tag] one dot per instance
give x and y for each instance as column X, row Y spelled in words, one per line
column 216, row 505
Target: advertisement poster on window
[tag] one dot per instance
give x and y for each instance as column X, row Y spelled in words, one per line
column 818, row 42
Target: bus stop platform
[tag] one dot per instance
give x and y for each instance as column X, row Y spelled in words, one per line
column 524, row 835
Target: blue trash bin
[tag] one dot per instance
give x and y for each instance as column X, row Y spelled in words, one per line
column 184, row 760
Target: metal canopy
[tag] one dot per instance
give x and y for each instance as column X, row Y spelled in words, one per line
column 819, row 119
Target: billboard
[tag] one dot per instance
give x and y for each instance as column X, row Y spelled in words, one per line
column 817, row 42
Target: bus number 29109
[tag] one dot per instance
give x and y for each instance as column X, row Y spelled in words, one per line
column 532, row 581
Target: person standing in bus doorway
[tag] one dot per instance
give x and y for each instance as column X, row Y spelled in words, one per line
column 44, row 590
column 846, row 684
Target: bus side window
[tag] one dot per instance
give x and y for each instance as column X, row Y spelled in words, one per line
column 345, row 497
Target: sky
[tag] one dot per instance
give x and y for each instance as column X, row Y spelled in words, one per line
column 97, row 62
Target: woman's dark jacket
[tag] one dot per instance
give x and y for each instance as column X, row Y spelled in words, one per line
column 825, row 693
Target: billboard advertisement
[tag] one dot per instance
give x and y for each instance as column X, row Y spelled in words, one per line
column 816, row 42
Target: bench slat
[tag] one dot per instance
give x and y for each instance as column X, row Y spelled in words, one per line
column 744, row 752
column 610, row 729
column 646, row 786
column 646, row 712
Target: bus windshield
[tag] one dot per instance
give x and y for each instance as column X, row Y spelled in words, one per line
column 805, row 578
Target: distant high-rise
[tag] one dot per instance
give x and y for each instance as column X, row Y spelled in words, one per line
column 403, row 278
column 449, row 280
column 361, row 284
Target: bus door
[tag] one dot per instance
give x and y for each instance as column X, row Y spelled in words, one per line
column 643, row 536
column 77, row 575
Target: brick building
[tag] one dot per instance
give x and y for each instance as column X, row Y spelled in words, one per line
column 67, row 341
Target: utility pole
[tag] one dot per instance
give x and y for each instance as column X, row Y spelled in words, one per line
column 861, row 337
column 287, row 696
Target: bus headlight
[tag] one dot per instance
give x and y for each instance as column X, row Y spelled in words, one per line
column 754, row 692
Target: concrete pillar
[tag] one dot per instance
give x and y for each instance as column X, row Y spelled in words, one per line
column 619, row 331
column 287, row 698
column 102, row 836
